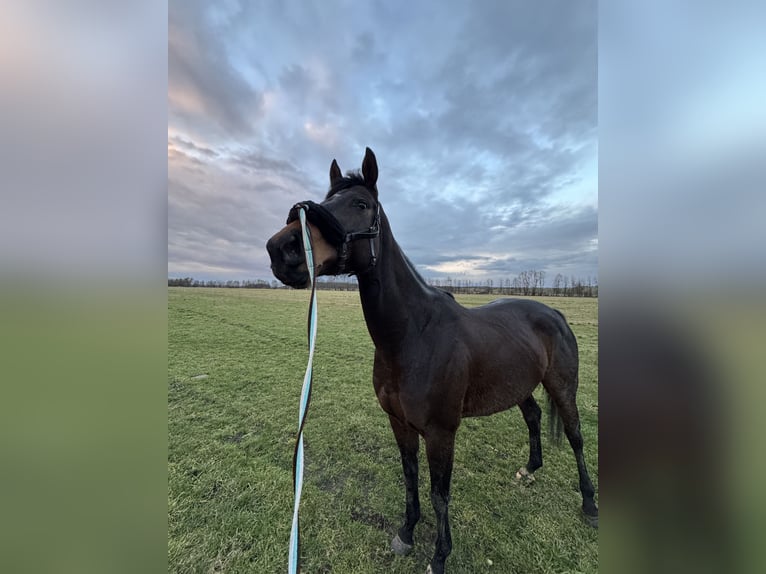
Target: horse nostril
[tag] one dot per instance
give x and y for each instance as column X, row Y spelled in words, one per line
column 292, row 250
column 286, row 249
column 291, row 247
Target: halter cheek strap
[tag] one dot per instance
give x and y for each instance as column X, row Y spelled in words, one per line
column 334, row 232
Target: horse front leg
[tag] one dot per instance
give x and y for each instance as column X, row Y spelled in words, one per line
column 440, row 448
column 409, row 442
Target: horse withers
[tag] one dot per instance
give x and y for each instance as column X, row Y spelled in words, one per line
column 435, row 361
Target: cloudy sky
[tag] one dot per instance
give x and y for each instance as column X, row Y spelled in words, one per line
column 483, row 117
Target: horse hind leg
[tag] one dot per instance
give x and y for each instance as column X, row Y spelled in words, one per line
column 532, row 416
column 562, row 390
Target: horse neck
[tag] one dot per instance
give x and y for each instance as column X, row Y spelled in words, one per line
column 394, row 296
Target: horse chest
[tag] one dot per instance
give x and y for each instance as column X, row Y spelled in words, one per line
column 390, row 401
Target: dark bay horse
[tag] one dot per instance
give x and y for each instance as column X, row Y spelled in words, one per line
column 435, row 361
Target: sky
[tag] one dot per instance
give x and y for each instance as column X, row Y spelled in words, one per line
column 483, row 117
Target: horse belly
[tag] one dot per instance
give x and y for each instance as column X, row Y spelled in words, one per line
column 487, row 397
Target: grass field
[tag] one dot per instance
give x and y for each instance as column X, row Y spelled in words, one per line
column 232, row 433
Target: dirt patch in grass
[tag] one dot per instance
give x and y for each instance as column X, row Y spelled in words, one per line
column 235, row 438
column 370, row 518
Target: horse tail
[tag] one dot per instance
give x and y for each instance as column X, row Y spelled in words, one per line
column 555, row 425
column 558, row 380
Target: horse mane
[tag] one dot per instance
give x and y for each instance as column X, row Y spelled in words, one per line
column 351, row 179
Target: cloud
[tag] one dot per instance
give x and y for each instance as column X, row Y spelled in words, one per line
column 483, row 119
column 205, row 90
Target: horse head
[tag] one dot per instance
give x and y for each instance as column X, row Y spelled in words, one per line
column 349, row 214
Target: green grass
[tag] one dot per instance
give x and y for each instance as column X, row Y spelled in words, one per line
column 231, row 439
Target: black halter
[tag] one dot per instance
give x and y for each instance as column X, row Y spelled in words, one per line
column 334, row 232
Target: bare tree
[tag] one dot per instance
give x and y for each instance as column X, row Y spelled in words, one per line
column 525, row 278
column 557, row 280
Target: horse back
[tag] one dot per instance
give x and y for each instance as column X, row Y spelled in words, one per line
column 525, row 318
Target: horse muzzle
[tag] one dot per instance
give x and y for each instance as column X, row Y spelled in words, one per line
column 288, row 261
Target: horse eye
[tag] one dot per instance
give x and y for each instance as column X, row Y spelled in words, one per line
column 362, row 204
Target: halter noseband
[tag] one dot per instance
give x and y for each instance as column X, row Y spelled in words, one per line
column 334, row 232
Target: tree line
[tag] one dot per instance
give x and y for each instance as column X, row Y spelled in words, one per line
column 530, row 282
column 235, row 284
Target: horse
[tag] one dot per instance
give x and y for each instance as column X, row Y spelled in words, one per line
column 435, row 360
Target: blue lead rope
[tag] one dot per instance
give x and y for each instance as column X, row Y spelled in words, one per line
column 293, row 566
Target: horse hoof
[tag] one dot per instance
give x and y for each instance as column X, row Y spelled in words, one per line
column 400, row 548
column 591, row 520
column 428, row 570
column 524, row 476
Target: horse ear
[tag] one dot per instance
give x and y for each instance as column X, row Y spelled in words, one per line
column 370, row 169
column 335, row 172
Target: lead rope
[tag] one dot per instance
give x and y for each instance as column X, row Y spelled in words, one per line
column 293, row 566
